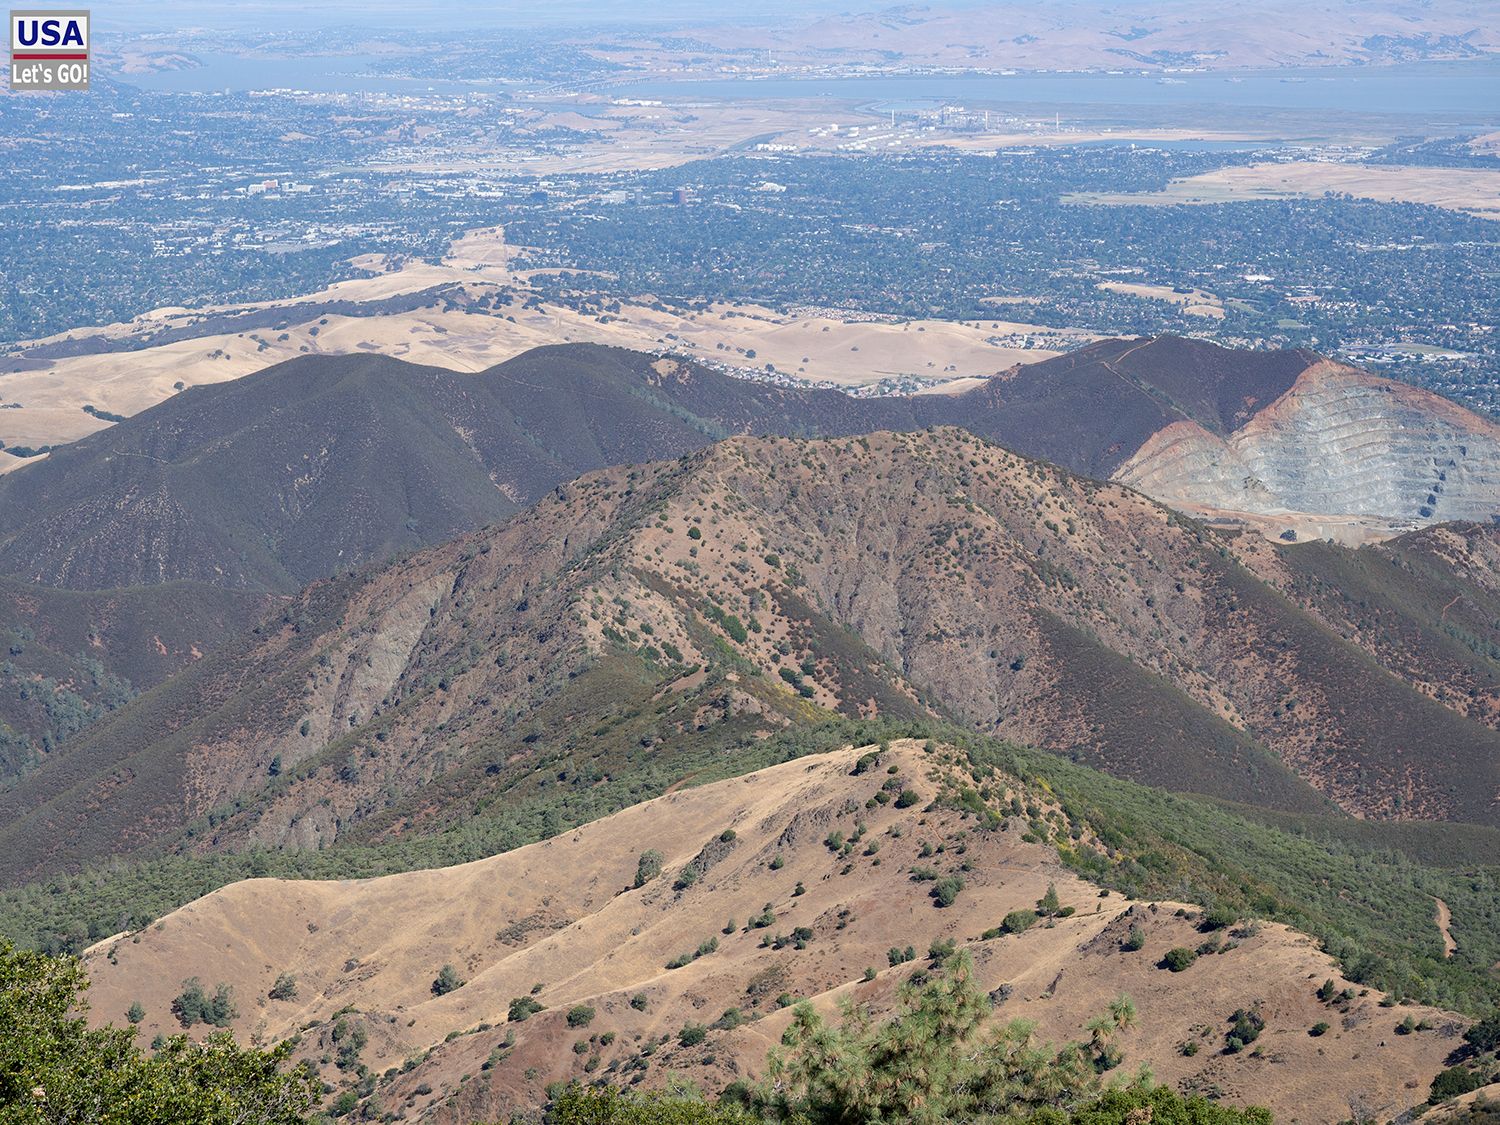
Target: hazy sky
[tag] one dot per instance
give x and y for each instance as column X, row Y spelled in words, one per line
column 140, row 14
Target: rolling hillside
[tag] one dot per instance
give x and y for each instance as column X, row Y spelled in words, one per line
column 711, row 908
column 324, row 463
column 641, row 613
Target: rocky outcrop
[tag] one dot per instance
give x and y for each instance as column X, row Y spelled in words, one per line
column 1339, row 442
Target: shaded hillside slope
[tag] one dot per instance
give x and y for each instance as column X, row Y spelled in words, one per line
column 760, row 583
column 71, row 657
column 795, row 881
column 324, row 462
column 1091, row 409
column 1426, row 605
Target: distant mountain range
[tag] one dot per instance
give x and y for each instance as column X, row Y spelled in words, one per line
column 1099, row 36
column 321, row 464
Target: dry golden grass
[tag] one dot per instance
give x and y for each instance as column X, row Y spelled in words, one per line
column 1471, row 190
column 1195, row 302
column 811, row 347
column 9, row 464
column 561, row 913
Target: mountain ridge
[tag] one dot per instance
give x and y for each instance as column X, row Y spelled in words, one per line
column 324, row 463
column 764, row 582
column 572, row 922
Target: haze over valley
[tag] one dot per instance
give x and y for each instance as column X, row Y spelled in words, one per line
column 604, row 563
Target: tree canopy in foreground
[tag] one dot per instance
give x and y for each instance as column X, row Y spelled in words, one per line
column 55, row 1068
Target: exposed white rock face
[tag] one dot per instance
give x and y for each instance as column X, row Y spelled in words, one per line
column 1341, row 442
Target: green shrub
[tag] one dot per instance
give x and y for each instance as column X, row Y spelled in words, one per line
column 1178, row 959
column 1245, row 1027
column 733, row 626
column 692, row 1034
column 731, row 1019
column 1485, row 1035
column 1317, row 1029
column 446, row 981
column 193, row 1005
column 1220, row 917
column 647, row 867
column 285, row 988
column 1134, row 941
column 580, row 1015
column 345, row 1104
column 908, row 798
column 135, row 1013
column 522, row 1008
column 1018, row 921
column 898, row 956
column 351, row 1039
column 947, row 889
column 1453, row 1082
